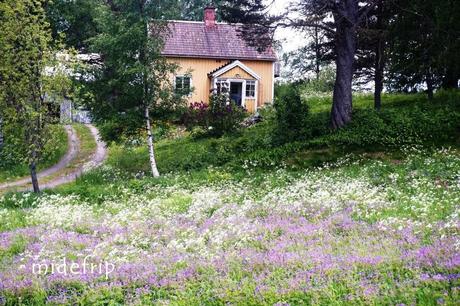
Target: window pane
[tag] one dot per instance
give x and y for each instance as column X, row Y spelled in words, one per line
column 186, row 83
column 250, row 88
column 222, row 86
column 179, row 83
column 183, row 85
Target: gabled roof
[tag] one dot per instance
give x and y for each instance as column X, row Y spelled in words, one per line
column 232, row 65
column 194, row 39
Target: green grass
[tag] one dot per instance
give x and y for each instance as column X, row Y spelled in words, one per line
column 87, row 142
column 54, row 150
column 404, row 120
column 197, row 161
column 366, row 101
column 17, row 246
column 419, row 180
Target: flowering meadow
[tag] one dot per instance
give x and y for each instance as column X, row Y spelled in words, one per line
column 358, row 231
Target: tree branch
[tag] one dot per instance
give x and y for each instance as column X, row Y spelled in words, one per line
column 306, row 23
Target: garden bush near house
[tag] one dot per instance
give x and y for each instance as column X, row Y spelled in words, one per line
column 221, row 116
column 121, row 126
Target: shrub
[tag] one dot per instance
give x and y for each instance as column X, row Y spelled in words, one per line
column 323, row 84
column 217, row 118
column 291, row 114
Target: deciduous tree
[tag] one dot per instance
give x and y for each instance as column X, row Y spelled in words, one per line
column 133, row 85
column 24, row 83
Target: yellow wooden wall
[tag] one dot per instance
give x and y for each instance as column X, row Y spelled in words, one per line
column 235, row 72
column 199, row 69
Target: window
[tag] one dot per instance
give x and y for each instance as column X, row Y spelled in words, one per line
column 250, row 89
column 183, row 85
column 222, row 86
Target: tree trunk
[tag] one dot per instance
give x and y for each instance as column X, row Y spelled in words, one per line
column 450, row 80
column 345, row 49
column 1, row 134
column 378, row 77
column 153, row 163
column 317, row 55
column 379, row 59
column 429, row 86
column 33, row 172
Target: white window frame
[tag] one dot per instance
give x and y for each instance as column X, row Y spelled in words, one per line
column 184, row 76
column 243, row 94
column 248, row 83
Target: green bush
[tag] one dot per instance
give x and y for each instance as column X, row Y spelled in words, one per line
column 395, row 127
column 291, row 114
column 13, row 156
column 403, row 120
column 323, row 84
column 221, row 116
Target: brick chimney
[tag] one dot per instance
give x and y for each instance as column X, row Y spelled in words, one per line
column 210, row 16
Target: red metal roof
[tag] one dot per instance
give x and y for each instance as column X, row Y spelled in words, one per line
column 194, row 39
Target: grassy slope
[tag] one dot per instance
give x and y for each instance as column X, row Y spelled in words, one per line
column 254, row 144
column 55, row 150
column 411, row 187
column 87, row 148
column 190, row 161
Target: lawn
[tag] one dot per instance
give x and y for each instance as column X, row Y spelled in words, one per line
column 241, row 220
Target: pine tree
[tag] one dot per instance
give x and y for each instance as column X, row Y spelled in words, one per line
column 348, row 16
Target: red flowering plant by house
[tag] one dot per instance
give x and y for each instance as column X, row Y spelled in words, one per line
column 219, row 117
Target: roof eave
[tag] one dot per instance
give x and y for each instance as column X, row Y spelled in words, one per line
column 267, row 59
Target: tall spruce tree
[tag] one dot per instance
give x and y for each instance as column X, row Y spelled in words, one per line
column 424, row 45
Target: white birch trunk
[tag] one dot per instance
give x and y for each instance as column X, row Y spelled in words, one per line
column 153, row 163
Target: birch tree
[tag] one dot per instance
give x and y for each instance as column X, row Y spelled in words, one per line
column 134, row 84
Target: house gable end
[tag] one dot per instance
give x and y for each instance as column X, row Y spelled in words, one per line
column 233, row 65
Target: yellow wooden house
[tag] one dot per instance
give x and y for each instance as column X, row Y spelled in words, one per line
column 213, row 58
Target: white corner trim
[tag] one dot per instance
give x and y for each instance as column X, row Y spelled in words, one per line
column 273, row 84
column 233, row 65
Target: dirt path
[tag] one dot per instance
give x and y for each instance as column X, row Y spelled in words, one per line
column 96, row 159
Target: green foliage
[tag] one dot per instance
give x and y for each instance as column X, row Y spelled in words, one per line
column 403, row 120
column 24, row 45
column 291, row 114
column 134, row 75
column 220, row 117
column 415, row 35
column 75, row 20
column 28, row 89
column 224, row 115
column 13, row 156
column 323, row 84
column 397, row 127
